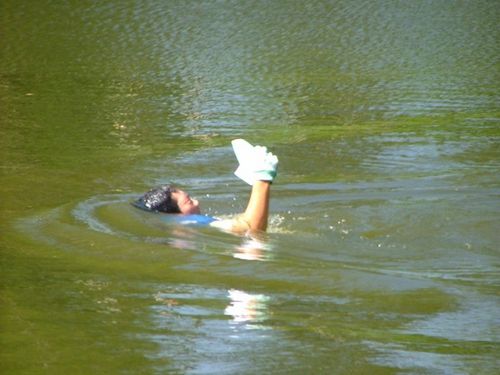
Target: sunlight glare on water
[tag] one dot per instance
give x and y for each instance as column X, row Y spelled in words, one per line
column 382, row 251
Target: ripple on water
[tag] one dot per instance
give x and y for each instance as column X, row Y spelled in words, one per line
column 97, row 222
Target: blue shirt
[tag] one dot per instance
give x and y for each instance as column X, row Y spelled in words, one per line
column 188, row 219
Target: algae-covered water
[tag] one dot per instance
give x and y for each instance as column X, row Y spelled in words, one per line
column 382, row 255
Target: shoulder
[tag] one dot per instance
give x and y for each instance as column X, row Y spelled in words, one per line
column 237, row 224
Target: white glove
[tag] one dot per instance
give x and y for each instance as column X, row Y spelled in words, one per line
column 255, row 162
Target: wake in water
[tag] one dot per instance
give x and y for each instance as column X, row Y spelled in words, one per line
column 359, row 279
column 112, row 217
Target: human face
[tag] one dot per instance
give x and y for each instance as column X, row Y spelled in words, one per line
column 187, row 205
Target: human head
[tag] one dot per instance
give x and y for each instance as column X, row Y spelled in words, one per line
column 168, row 199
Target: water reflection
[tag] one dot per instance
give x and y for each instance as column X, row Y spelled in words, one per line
column 246, row 308
column 418, row 361
column 100, row 98
column 252, row 249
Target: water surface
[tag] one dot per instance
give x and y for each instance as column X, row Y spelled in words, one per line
column 382, row 254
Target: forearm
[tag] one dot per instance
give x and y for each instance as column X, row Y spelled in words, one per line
column 257, row 211
column 257, row 167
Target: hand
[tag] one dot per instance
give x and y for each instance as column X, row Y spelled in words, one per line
column 256, row 164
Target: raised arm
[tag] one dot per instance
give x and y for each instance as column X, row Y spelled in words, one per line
column 255, row 216
column 257, row 167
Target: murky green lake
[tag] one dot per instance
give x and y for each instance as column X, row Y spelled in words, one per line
column 382, row 255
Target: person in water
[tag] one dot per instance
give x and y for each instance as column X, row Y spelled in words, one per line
column 257, row 167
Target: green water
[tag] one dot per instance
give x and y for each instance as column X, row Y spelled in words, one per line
column 382, row 254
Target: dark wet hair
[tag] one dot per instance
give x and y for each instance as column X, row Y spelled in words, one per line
column 159, row 200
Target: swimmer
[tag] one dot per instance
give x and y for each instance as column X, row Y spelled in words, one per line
column 257, row 167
